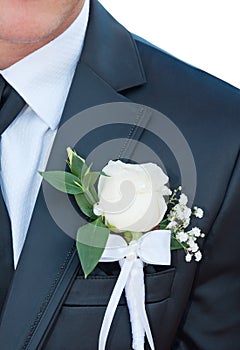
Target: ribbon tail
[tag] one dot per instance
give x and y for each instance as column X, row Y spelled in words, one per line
column 113, row 302
column 135, row 295
column 147, row 326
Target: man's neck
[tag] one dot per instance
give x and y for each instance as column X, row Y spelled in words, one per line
column 12, row 52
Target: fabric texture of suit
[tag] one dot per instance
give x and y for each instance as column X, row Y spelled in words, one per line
column 191, row 306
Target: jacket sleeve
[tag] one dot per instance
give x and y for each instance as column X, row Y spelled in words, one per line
column 212, row 317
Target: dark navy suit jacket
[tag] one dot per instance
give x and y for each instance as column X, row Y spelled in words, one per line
column 191, row 306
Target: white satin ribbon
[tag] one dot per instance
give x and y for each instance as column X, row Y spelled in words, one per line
column 152, row 248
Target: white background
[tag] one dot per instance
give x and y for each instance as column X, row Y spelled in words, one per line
column 204, row 33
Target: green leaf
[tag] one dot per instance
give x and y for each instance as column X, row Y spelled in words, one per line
column 88, row 170
column 85, row 206
column 131, row 236
column 163, row 224
column 175, row 244
column 128, row 236
column 88, row 182
column 94, row 195
column 91, row 242
column 103, row 174
column 76, row 163
column 90, row 179
column 63, row 181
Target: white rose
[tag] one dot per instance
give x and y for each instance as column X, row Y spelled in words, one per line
column 131, row 197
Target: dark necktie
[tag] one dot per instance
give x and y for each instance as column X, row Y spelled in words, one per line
column 11, row 104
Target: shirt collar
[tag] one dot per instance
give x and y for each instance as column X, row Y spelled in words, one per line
column 44, row 77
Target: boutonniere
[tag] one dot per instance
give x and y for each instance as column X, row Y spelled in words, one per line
column 134, row 218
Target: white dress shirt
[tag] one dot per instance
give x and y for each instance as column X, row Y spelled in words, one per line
column 43, row 79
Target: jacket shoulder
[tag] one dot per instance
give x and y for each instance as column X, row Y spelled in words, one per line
column 153, row 56
column 174, row 86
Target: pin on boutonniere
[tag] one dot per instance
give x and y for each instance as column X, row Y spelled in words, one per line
column 134, row 219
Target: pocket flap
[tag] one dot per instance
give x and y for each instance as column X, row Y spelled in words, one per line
column 96, row 290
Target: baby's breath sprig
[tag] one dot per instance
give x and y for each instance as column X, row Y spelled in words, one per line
column 177, row 221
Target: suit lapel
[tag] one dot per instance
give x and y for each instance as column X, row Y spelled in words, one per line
column 48, row 262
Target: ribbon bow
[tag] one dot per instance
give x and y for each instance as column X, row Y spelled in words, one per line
column 152, row 248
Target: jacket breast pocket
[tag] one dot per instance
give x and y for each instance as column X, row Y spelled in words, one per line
column 78, row 324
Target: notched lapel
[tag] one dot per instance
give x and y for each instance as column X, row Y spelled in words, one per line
column 111, row 52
